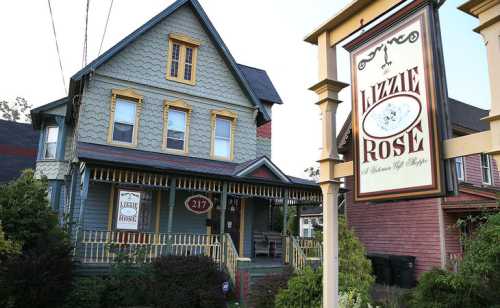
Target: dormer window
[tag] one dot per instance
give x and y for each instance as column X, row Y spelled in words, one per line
column 182, row 54
column 223, row 126
column 125, row 109
column 176, row 117
column 50, row 147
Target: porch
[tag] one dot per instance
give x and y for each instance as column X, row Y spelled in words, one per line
column 227, row 231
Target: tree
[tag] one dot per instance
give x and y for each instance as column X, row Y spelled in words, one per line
column 14, row 111
column 312, row 173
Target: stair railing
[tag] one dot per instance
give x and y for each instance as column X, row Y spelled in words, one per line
column 230, row 260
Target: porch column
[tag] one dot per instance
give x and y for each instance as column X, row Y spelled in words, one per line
column 223, row 202
column 84, row 190
column 171, row 204
column 285, row 212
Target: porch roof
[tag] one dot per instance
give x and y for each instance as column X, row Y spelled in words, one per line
column 116, row 156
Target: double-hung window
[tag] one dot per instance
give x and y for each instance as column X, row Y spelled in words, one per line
column 124, row 122
column 459, row 165
column 222, row 143
column 176, row 117
column 182, row 55
column 50, row 146
column 486, row 168
column 126, row 106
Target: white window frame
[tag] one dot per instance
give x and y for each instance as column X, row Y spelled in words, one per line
column 488, row 168
column 184, row 112
column 46, row 142
column 460, row 161
column 130, row 96
column 180, row 106
column 231, row 118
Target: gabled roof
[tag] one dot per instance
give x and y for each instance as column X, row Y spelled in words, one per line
column 111, row 155
column 18, row 145
column 464, row 117
column 36, row 112
column 261, row 84
column 248, row 168
column 213, row 34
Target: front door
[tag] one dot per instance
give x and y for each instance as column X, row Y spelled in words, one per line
column 232, row 219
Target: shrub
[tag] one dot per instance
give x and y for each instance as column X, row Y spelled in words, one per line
column 40, row 275
column 478, row 280
column 303, row 290
column 193, row 281
column 87, row 292
column 265, row 289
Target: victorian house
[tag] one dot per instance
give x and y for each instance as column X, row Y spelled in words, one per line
column 163, row 145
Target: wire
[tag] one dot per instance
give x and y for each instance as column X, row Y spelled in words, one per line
column 84, row 57
column 105, row 27
column 57, row 47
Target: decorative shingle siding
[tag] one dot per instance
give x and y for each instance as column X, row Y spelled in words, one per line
column 263, row 147
column 144, row 61
column 53, row 170
column 398, row 228
column 69, row 145
column 94, row 119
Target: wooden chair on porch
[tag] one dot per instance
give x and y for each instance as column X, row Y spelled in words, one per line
column 275, row 242
column 260, row 244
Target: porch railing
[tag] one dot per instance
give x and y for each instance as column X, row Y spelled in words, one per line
column 313, row 249
column 104, row 247
column 230, row 257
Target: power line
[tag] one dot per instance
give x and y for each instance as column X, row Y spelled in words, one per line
column 105, row 27
column 57, row 47
column 84, row 56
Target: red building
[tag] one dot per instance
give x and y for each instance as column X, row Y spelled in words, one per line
column 426, row 228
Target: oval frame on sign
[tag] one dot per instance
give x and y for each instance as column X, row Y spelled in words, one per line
column 198, row 204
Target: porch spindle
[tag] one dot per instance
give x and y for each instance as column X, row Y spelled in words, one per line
column 171, row 204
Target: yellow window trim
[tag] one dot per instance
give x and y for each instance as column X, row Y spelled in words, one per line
column 131, row 95
column 184, row 41
column 227, row 114
column 179, row 105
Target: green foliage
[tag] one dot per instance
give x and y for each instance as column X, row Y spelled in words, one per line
column 304, row 290
column 265, row 289
column 478, row 280
column 7, row 247
column 24, row 210
column 86, row 292
column 40, row 275
column 13, row 111
column 193, row 281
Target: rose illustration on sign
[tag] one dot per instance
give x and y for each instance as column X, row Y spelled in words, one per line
column 127, row 211
column 392, row 116
column 198, row 204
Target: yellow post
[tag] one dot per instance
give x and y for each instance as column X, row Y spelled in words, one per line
column 327, row 90
column 488, row 13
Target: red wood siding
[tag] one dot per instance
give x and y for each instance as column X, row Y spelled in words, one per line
column 398, row 228
column 473, row 172
column 264, row 131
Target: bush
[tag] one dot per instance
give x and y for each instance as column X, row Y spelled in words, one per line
column 87, row 292
column 478, row 280
column 304, row 290
column 40, row 275
column 265, row 289
column 193, row 281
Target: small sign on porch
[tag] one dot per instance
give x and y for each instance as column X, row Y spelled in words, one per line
column 198, row 204
column 128, row 210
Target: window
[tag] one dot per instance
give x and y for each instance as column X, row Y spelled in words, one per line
column 459, row 164
column 176, row 117
column 223, row 125
column 306, row 221
column 50, row 148
column 182, row 54
column 126, row 106
column 486, row 168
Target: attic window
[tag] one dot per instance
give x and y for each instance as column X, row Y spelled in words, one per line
column 182, row 56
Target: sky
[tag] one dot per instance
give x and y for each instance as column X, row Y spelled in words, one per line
column 267, row 34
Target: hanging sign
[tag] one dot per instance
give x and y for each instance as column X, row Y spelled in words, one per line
column 396, row 140
column 128, row 210
column 198, row 204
